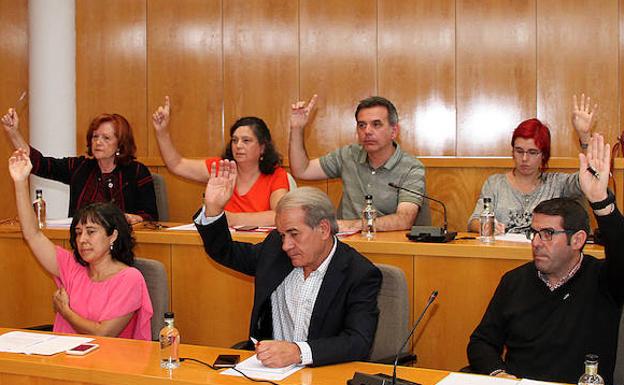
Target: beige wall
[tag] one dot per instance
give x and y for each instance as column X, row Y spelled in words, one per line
column 462, row 73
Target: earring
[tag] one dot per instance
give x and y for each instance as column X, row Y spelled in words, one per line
column 117, row 153
column 261, row 158
column 111, row 246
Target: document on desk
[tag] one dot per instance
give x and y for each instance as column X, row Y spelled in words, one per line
column 187, row 227
column 474, row 379
column 61, row 223
column 253, row 368
column 38, row 343
column 509, row 237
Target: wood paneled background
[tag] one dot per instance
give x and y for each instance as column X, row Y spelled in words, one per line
column 462, row 73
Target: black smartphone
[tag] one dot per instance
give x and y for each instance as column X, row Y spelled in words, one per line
column 226, row 361
column 245, row 228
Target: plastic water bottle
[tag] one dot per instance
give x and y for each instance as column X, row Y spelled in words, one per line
column 39, row 205
column 169, row 344
column 369, row 217
column 487, row 222
column 591, row 376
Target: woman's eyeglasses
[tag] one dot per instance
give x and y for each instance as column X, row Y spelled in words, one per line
column 532, row 153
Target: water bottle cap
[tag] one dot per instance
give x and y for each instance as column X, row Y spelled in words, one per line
column 169, row 314
column 487, row 200
column 591, row 358
column 368, row 197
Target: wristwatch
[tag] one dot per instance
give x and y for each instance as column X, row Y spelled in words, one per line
column 603, row 203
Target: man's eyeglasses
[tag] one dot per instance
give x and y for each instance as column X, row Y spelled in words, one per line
column 532, row 153
column 545, row 234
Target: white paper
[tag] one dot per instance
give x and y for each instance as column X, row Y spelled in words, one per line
column 526, row 381
column 189, row 227
column 61, row 223
column 474, row 379
column 38, row 343
column 513, row 238
column 253, row 368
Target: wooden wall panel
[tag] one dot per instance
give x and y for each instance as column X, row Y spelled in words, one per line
column 338, row 56
column 185, row 62
column 495, row 73
column 577, row 52
column 261, row 64
column 417, row 71
column 14, row 80
column 111, row 65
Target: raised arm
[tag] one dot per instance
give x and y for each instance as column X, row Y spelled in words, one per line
column 583, row 119
column 193, row 169
column 300, row 164
column 43, row 249
column 10, row 121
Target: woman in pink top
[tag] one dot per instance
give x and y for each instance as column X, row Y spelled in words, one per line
column 99, row 293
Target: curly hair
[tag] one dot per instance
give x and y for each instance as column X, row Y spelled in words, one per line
column 270, row 158
column 110, row 218
column 123, row 132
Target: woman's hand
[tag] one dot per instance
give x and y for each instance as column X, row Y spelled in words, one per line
column 133, row 219
column 60, row 300
column 19, row 165
column 10, row 121
column 583, row 118
column 160, row 118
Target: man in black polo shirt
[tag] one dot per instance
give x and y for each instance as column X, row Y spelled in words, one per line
column 548, row 314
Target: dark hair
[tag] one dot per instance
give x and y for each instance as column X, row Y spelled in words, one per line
column 110, row 218
column 270, row 158
column 539, row 132
column 374, row 101
column 123, row 132
column 573, row 213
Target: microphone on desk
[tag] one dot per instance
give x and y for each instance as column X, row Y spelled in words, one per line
column 430, row 234
column 384, row 379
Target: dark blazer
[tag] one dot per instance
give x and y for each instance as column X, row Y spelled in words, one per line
column 344, row 318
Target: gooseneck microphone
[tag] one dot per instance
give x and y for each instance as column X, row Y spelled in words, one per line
column 428, row 233
column 384, row 379
column 432, row 297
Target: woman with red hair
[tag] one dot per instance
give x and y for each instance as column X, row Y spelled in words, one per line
column 516, row 193
column 109, row 174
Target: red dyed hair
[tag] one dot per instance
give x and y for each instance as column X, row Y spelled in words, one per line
column 123, row 132
column 539, row 132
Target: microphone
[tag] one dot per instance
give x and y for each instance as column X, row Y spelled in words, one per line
column 428, row 233
column 384, row 379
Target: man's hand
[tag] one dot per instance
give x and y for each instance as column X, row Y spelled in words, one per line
column 19, row 165
column 160, row 117
column 349, row 224
column 220, row 187
column 598, row 157
column 278, row 354
column 10, row 121
column 133, row 219
column 300, row 113
column 504, row 374
column 583, row 117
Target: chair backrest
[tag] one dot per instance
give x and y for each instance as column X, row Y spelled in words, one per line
column 160, row 188
column 394, row 315
column 158, row 286
column 618, row 374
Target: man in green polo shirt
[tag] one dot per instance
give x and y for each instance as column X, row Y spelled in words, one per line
column 365, row 168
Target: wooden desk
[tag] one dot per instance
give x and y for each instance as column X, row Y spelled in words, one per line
column 121, row 361
column 212, row 303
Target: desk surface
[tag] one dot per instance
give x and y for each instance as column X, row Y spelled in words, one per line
column 121, row 361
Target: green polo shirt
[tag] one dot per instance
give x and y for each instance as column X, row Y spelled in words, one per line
column 359, row 179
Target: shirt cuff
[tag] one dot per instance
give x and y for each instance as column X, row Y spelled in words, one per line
column 201, row 219
column 306, row 353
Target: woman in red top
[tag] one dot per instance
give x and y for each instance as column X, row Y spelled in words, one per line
column 261, row 181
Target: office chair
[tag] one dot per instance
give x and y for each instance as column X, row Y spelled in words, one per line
column 155, row 277
column 162, row 204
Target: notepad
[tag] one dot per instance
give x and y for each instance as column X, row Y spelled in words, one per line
column 252, row 367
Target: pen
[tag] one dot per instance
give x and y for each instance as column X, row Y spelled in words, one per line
column 593, row 172
column 255, row 341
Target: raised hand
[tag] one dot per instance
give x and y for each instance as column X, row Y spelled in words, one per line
column 19, row 165
column 583, row 117
column 160, row 117
column 220, row 187
column 10, row 121
column 599, row 159
column 300, row 113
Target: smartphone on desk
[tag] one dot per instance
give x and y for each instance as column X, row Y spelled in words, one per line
column 82, row 349
column 226, row 361
column 246, row 228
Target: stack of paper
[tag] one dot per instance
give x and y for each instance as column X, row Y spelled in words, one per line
column 253, row 368
column 38, row 343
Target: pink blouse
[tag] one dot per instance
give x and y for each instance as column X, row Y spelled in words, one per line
column 121, row 294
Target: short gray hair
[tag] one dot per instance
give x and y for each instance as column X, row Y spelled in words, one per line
column 315, row 204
